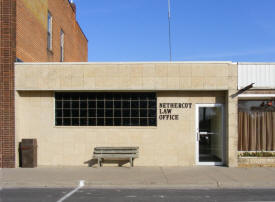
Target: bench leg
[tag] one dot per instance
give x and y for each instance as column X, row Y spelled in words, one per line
column 131, row 162
column 99, row 162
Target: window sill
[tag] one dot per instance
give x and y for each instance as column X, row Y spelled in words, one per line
column 50, row 51
column 107, row 127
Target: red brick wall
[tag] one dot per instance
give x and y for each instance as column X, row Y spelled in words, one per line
column 31, row 36
column 23, row 30
column 7, row 56
column 75, row 43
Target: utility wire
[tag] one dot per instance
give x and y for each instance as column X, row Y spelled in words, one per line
column 169, row 23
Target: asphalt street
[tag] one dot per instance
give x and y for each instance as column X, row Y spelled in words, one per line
column 150, row 195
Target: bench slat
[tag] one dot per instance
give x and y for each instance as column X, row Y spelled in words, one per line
column 124, row 156
column 116, row 152
column 116, row 148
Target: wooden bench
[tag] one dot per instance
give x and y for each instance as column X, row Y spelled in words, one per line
column 115, row 153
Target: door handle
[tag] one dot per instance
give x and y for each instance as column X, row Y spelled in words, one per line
column 198, row 136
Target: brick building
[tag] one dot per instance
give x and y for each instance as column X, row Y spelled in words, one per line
column 33, row 31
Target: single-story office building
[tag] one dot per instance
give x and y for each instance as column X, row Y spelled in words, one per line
column 177, row 113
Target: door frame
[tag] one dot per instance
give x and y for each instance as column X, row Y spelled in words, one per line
column 197, row 131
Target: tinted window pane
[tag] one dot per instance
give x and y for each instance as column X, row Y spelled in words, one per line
column 83, row 104
column 83, row 113
column 152, row 122
column 152, row 112
column 100, row 96
column 100, row 121
column 134, row 113
column 92, row 122
column 58, row 121
column 66, row 96
column 108, row 121
column 75, row 96
column 134, row 104
column 134, row 122
column 126, row 121
column 256, row 105
column 126, row 104
column 100, row 113
column 75, row 104
column 83, row 122
column 91, row 113
column 152, row 104
column 58, row 104
column 109, row 104
column 67, row 122
column 91, row 96
column 151, row 96
column 75, row 113
column 135, row 96
column 126, row 96
column 143, row 104
column 67, row 113
column 109, row 113
column 117, row 96
column 58, row 113
column 126, row 113
column 143, row 113
column 59, row 96
column 117, row 113
column 83, row 96
column 100, row 104
column 143, row 96
column 117, row 104
column 92, row 104
column 75, row 121
column 109, row 96
column 117, row 122
column 143, row 122
column 66, row 104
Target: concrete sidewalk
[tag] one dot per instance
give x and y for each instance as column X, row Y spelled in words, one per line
column 203, row 177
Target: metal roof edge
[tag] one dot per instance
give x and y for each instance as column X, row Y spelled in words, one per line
column 256, row 63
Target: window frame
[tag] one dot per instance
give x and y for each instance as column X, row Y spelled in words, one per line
column 94, row 115
column 50, row 31
column 62, row 40
column 255, row 119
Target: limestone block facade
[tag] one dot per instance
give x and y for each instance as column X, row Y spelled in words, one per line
column 169, row 143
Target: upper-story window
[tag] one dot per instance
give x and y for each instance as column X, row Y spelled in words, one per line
column 50, row 32
column 61, row 46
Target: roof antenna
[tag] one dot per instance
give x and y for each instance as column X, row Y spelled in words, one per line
column 169, row 23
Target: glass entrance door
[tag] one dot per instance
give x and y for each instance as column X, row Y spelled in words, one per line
column 209, row 134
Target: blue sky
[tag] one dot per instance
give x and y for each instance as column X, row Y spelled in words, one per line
column 202, row 30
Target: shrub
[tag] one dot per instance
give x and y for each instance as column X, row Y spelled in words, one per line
column 257, row 154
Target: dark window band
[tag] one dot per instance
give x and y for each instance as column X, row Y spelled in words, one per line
column 105, row 109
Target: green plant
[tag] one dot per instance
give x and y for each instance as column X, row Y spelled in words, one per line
column 257, row 154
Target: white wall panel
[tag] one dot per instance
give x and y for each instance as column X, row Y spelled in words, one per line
column 262, row 74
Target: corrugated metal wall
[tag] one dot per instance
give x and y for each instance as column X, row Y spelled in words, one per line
column 262, row 74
